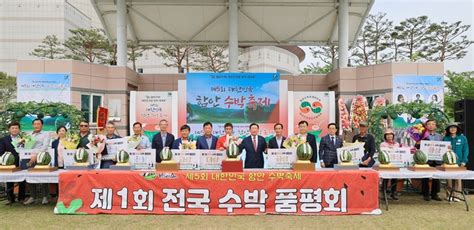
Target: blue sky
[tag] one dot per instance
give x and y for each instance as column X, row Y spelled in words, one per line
column 437, row 11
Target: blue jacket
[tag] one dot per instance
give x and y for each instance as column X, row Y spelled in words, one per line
column 459, row 146
column 328, row 150
column 201, row 143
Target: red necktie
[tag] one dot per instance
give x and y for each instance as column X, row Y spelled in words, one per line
column 254, row 144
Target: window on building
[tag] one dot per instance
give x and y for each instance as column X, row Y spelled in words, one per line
column 89, row 105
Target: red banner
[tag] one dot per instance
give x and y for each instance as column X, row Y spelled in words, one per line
column 257, row 192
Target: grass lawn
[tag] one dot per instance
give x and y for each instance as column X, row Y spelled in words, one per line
column 410, row 212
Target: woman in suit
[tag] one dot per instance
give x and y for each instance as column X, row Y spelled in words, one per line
column 57, row 146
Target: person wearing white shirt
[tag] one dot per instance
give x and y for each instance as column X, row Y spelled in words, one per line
column 42, row 142
column 138, row 132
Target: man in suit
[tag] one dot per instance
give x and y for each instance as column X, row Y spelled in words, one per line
column 310, row 138
column 207, row 141
column 369, row 145
column 185, row 130
column 254, row 146
column 162, row 139
column 7, row 146
column 276, row 142
column 328, row 147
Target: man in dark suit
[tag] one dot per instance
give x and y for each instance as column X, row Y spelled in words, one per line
column 276, row 142
column 207, row 141
column 254, row 146
column 310, row 138
column 162, row 139
column 328, row 147
column 7, row 146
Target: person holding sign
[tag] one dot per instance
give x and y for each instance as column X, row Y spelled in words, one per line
column 207, row 141
column 42, row 144
column 162, row 139
column 276, row 142
column 138, row 133
column 223, row 142
column 110, row 134
column 308, row 137
column 431, row 127
column 7, row 146
column 389, row 142
column 460, row 147
column 369, row 144
column 254, row 146
column 328, row 147
column 185, row 130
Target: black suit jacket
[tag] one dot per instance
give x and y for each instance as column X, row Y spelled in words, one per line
column 6, row 146
column 157, row 144
column 253, row 159
column 311, row 139
column 273, row 144
column 328, row 150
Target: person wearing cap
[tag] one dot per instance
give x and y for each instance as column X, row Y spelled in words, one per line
column 389, row 142
column 369, row 146
column 460, row 147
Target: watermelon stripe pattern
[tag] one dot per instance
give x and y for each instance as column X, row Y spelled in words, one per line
column 304, row 152
column 81, row 156
column 346, row 156
column 122, row 156
column 166, row 154
column 7, row 159
column 384, row 158
column 420, row 158
column 450, row 158
column 43, row 158
column 232, row 151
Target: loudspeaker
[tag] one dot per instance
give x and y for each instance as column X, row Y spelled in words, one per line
column 462, row 110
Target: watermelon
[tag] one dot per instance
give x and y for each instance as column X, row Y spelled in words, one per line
column 304, row 152
column 420, row 157
column 384, row 158
column 7, row 159
column 232, row 151
column 43, row 158
column 450, row 158
column 166, row 154
column 81, row 155
column 345, row 156
column 122, row 156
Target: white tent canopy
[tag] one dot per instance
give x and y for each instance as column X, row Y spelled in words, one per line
column 257, row 22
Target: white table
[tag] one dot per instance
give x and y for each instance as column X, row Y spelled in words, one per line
column 31, row 177
column 404, row 173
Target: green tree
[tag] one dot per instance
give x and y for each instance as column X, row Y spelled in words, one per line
column 316, row 69
column 136, row 51
column 449, row 41
column 50, row 48
column 109, row 56
column 87, row 45
column 175, row 56
column 7, row 89
column 211, row 58
column 374, row 39
column 458, row 86
column 414, row 36
column 326, row 55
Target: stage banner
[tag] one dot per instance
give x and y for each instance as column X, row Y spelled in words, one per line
column 217, row 193
column 418, row 89
column 149, row 108
column 44, row 87
column 317, row 108
column 435, row 149
column 239, row 98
